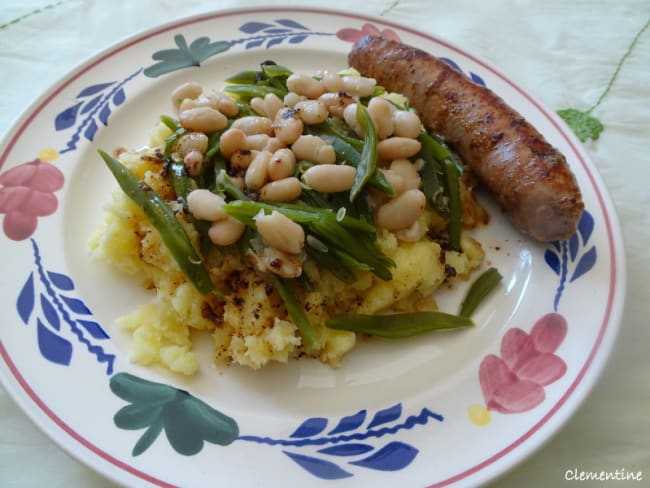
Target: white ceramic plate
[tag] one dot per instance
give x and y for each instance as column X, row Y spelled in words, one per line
column 452, row 409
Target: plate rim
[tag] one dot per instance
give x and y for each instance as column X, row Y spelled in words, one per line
column 579, row 389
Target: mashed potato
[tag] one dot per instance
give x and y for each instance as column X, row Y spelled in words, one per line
column 251, row 327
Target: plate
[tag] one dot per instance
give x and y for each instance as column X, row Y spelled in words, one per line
column 451, row 409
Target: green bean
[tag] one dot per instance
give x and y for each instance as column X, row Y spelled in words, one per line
column 245, row 109
column 251, row 91
column 441, row 152
column 183, row 185
column 225, row 185
column 276, row 76
column 275, row 71
column 213, row 145
column 338, row 237
column 171, row 123
column 328, row 261
column 170, row 142
column 440, row 162
column 480, row 289
column 349, row 261
column 181, row 182
column 398, row 325
column 296, row 312
column 339, row 128
column 246, row 77
column 452, row 184
column 164, row 220
column 297, row 212
column 431, row 173
column 368, row 163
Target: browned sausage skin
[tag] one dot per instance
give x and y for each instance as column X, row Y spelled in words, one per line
column 530, row 179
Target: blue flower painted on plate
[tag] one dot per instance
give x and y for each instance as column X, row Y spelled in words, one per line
column 572, row 258
column 47, row 299
column 349, row 444
column 261, row 35
column 93, row 106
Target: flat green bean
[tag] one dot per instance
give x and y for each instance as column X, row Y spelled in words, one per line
column 296, row 312
column 452, row 184
column 164, row 220
column 368, row 162
column 397, row 325
column 480, row 289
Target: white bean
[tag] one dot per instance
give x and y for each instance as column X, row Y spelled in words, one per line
column 406, row 169
column 231, row 141
column 311, row 112
column 336, row 102
column 287, row 125
column 193, row 161
column 272, row 104
column 189, row 90
column 242, row 159
column 406, row 124
column 225, row 103
column 313, row 148
column 226, row 231
column 291, row 98
column 331, row 82
column 350, row 117
column 381, row 113
column 188, row 103
column 400, row 212
column 330, row 178
column 413, row 233
column 274, row 144
column 398, row 148
column 205, row 205
column 238, row 181
column 254, row 124
column 359, row 86
column 280, row 232
column 192, row 141
column 283, row 190
column 305, row 85
column 282, row 164
column 257, row 104
column 257, row 141
column 258, row 171
column 202, row 119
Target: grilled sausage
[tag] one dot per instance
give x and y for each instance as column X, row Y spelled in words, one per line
column 530, row 179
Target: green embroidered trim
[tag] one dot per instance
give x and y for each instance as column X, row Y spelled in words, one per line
column 33, row 12
column 585, row 125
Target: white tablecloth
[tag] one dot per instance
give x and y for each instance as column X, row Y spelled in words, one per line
column 562, row 52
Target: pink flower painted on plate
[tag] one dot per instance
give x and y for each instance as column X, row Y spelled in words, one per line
column 515, row 381
column 26, row 193
column 353, row 35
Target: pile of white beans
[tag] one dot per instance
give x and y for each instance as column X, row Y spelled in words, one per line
column 263, row 151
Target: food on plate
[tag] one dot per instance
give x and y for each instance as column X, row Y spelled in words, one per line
column 286, row 216
column 531, row 179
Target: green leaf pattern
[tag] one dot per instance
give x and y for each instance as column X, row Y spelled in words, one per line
column 187, row 421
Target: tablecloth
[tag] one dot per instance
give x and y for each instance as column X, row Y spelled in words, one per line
column 565, row 53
